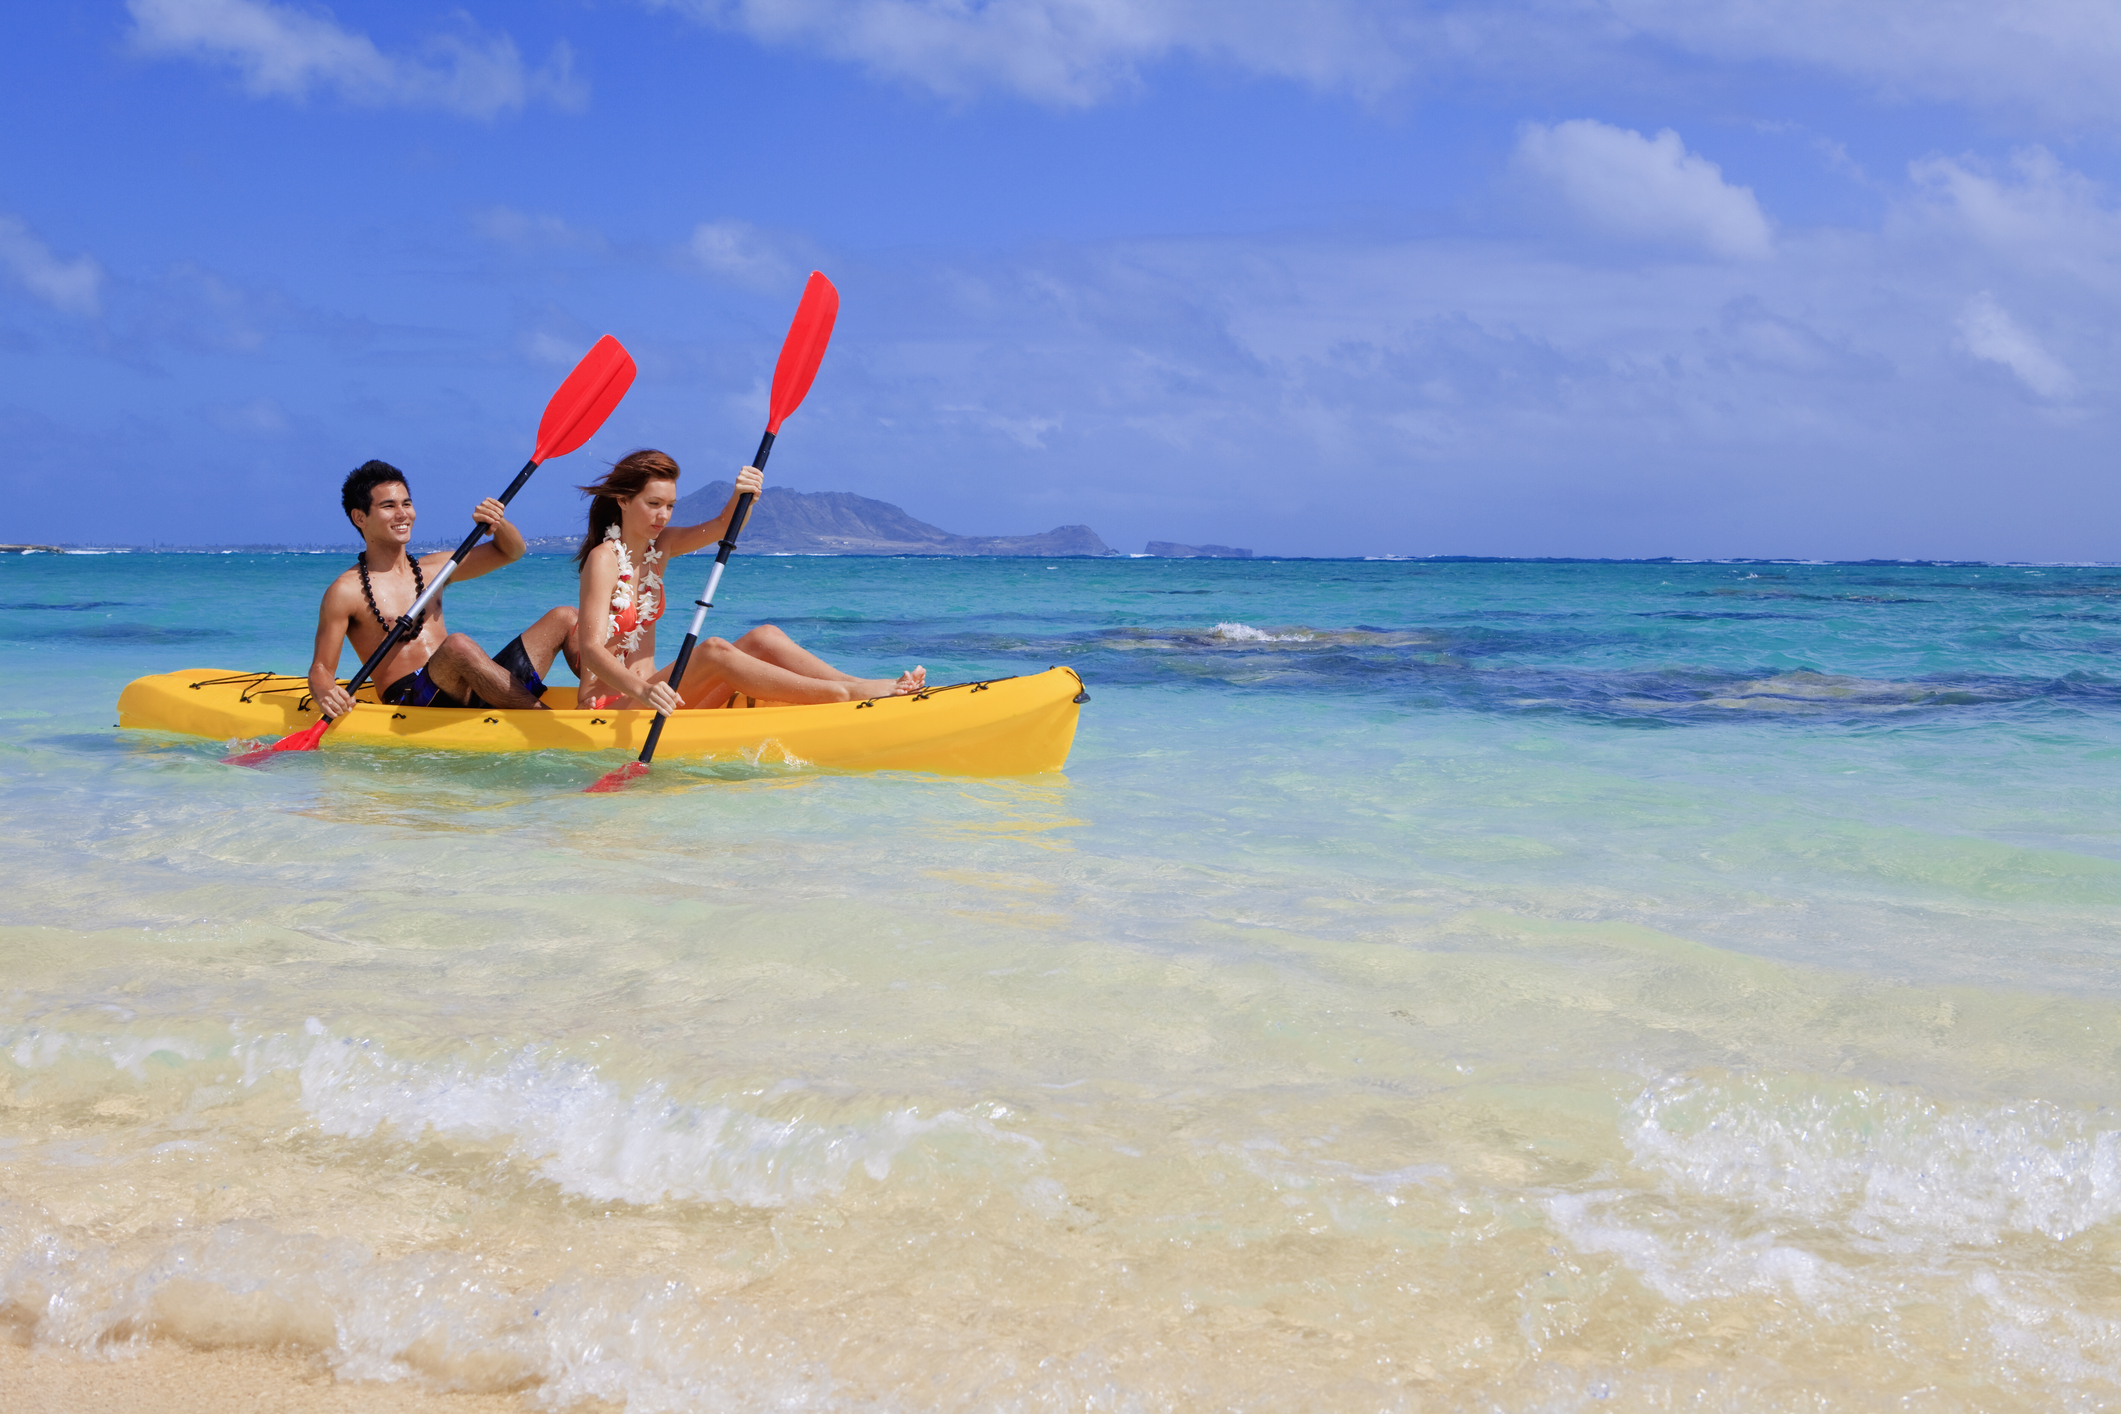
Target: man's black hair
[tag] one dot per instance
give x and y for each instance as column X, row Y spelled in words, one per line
column 358, row 491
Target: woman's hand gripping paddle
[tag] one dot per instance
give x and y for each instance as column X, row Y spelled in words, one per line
column 801, row 352
column 576, row 411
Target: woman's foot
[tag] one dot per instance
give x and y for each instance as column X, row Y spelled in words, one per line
column 872, row 688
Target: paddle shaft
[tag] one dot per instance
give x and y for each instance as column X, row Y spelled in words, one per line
column 403, row 626
column 706, row 600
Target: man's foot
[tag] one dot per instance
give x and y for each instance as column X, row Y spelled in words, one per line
column 910, row 681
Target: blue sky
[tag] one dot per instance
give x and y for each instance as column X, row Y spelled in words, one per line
column 1597, row 277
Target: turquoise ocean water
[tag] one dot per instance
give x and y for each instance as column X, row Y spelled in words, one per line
column 1442, row 986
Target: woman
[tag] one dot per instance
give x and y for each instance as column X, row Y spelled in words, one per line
column 629, row 544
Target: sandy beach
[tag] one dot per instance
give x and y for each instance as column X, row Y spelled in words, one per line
column 161, row 1379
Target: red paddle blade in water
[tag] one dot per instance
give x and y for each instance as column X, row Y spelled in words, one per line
column 303, row 740
column 803, row 349
column 579, row 408
column 605, row 785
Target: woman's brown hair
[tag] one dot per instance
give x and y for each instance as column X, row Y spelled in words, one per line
column 628, row 477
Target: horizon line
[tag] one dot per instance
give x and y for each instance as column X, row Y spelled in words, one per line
column 313, row 548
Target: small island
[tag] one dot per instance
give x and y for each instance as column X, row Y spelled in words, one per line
column 785, row 522
column 1167, row 550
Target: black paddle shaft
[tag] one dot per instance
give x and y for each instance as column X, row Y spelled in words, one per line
column 706, row 600
column 403, row 626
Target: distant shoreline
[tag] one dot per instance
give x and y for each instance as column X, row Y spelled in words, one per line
column 349, row 550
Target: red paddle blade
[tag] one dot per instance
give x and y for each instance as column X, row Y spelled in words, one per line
column 585, row 399
column 803, row 349
column 303, row 740
column 631, row 771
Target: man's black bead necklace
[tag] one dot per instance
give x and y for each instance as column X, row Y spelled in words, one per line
column 368, row 592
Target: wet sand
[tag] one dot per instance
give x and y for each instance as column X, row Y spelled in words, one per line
column 167, row 1380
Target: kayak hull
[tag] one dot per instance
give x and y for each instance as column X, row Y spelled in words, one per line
column 1003, row 727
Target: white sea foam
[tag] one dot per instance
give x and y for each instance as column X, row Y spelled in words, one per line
column 588, row 1137
column 560, row 1117
column 36, row 1048
column 1245, row 633
column 439, row 1318
column 1696, row 1265
column 456, row 1320
column 771, row 752
column 582, row 1133
column 1886, row 1164
column 1851, row 1198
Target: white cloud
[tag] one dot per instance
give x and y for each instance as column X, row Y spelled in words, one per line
column 739, row 252
column 1987, row 331
column 548, row 347
column 1078, row 51
column 1652, row 189
column 219, row 314
column 2043, row 216
column 1843, row 398
column 74, row 286
column 284, row 52
column 2055, row 58
column 521, row 228
column 260, row 417
column 1028, row 432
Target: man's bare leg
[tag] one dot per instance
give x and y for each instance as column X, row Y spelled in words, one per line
column 549, row 637
column 461, row 668
column 719, row 667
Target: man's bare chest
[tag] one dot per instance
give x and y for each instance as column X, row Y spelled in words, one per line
column 379, row 601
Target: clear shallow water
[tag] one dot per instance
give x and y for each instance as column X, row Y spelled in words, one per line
column 1453, row 986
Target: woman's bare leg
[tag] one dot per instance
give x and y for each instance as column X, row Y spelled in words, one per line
column 719, row 667
column 769, row 644
column 773, row 646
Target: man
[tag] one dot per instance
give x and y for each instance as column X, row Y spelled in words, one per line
column 430, row 666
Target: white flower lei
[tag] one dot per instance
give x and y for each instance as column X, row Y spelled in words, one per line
column 647, row 594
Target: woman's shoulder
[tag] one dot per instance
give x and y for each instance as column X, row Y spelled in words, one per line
column 600, row 564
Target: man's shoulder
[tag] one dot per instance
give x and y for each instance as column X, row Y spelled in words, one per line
column 346, row 582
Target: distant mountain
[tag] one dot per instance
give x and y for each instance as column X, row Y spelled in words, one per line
column 842, row 523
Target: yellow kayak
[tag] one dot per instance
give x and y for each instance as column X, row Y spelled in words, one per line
column 1002, row 727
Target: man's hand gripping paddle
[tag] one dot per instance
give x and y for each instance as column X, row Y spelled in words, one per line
column 801, row 352
column 576, row 411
